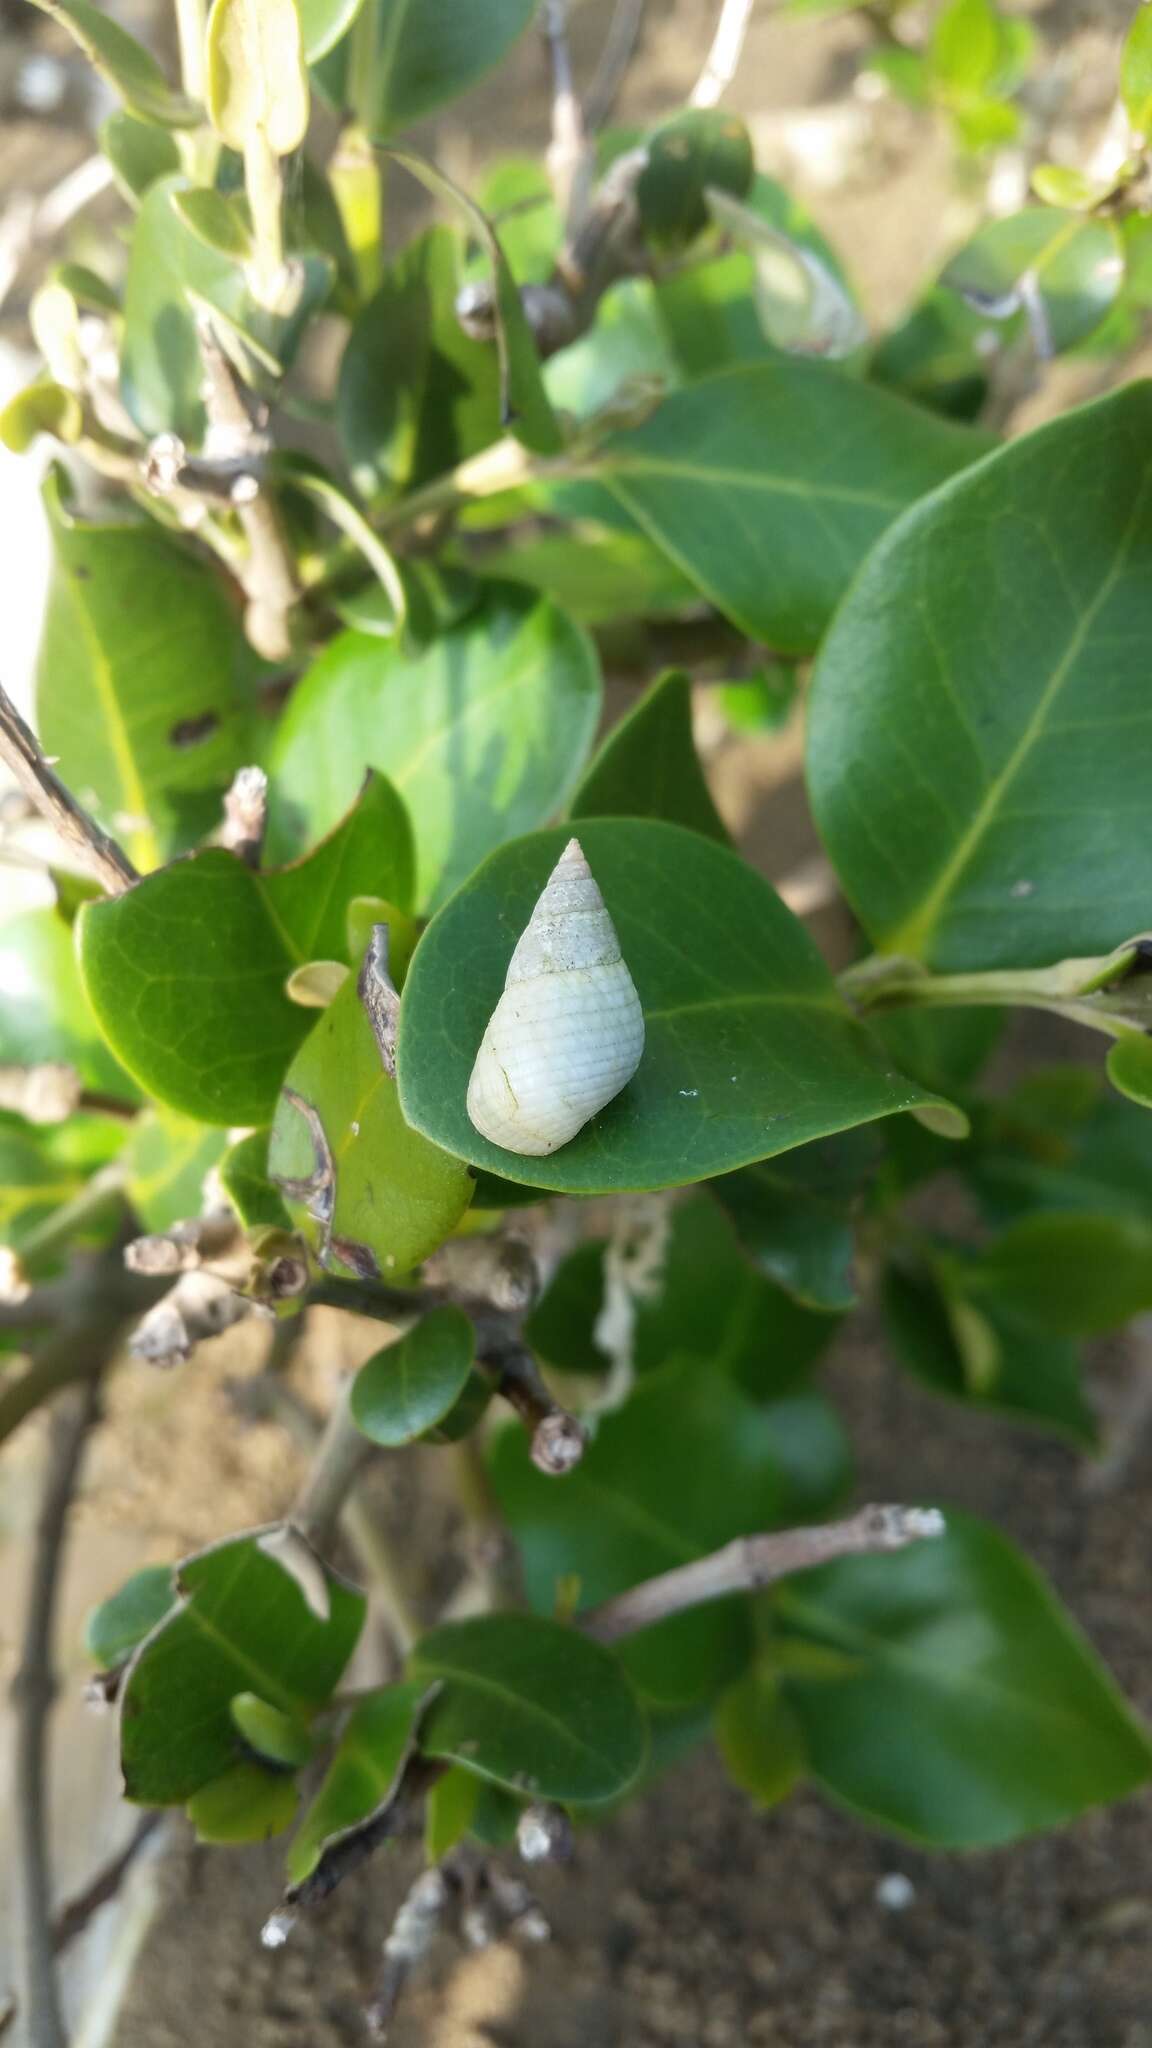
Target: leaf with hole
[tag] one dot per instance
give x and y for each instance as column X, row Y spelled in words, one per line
column 241, row 1624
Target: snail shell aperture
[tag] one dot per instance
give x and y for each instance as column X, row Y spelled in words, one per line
column 568, row 1031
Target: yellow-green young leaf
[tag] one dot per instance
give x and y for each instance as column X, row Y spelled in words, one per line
column 248, row 1803
column 965, row 48
column 127, row 66
column 361, row 1772
column 1130, row 1067
column 372, row 1195
column 276, row 1737
column 323, row 22
column 749, row 1049
column 410, row 1386
column 241, row 1623
column 221, row 223
column 41, row 408
column 138, row 152
column 532, row 1705
column 448, row 1811
column 1136, row 71
column 759, row 1738
column 1060, row 185
column 977, row 635
column 1006, row 1721
column 257, row 77
column 167, row 1160
column 44, row 1013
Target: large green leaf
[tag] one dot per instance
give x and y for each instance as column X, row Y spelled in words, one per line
column 532, row 1705
column 242, row 1625
column 141, row 680
column 360, row 1775
column 483, row 732
column 648, row 766
column 769, row 483
column 382, row 1198
column 1067, row 268
column 975, row 1712
column 688, row 1463
column 975, row 720
column 1075, row 1274
column 44, row 1013
column 423, row 53
column 748, row 1048
column 206, row 1025
column 795, row 1216
column 416, row 395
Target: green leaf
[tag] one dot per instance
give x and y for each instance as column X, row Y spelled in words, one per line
column 242, row 1623
column 166, row 1160
column 416, row 396
column 256, row 78
column 687, row 1464
column 423, row 53
column 246, row 1182
column 1061, row 271
column 411, row 1385
column 40, row 408
column 141, row 680
column 323, row 22
column 1130, row 1067
column 1009, row 836
column 126, row 65
column 648, row 766
column 138, row 152
column 769, row 483
column 748, row 1051
column 44, row 1167
column 561, row 1328
column 224, row 224
column 623, row 352
column 175, row 1016
column 44, row 1013
column 965, row 45
column 276, row 1738
column 1073, row 1274
column 448, row 1811
column 795, row 1217
column 596, row 573
column 759, row 1738
column 524, row 402
column 763, row 702
column 1060, row 185
column 115, row 1628
column 983, row 1355
column 248, row 1803
column 695, row 149
column 483, row 733
column 978, row 1712
column 1136, row 72
column 381, row 1197
column 531, row 1705
column 360, row 1775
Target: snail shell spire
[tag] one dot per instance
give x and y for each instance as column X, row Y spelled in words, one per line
column 568, row 1031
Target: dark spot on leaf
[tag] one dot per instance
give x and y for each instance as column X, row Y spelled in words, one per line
column 82, row 573
column 188, row 732
column 362, row 1261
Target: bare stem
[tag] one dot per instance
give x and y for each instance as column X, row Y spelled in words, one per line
column 100, row 855
column 754, row 1561
column 723, row 58
column 33, row 1693
column 615, row 58
column 85, row 1340
column 567, row 149
column 77, row 1911
column 340, row 1455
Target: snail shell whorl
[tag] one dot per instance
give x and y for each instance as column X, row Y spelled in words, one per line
column 568, row 1031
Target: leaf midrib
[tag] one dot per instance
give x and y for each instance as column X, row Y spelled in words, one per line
column 609, row 468
column 531, row 1709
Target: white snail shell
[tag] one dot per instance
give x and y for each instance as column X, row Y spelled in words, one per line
column 568, row 1031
